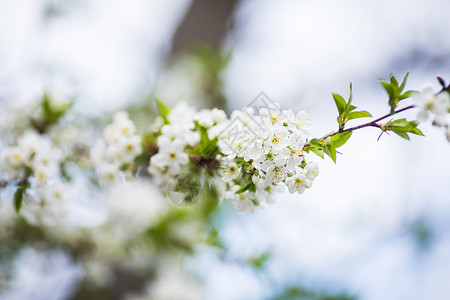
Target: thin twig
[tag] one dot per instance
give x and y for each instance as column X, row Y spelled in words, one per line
column 369, row 124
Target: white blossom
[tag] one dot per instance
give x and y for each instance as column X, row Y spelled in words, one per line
column 172, row 157
column 182, row 115
column 230, row 171
column 296, row 152
column 302, row 122
column 121, row 126
column 170, row 134
column 232, row 146
column 108, row 173
column 276, row 174
column 14, row 156
column 269, row 192
column 48, row 203
column 298, row 183
column 120, row 147
column 278, row 139
column 311, row 171
column 246, row 202
column 428, row 102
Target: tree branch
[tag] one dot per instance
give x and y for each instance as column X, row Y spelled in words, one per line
column 369, row 124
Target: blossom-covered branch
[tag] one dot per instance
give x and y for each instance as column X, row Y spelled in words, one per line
column 247, row 157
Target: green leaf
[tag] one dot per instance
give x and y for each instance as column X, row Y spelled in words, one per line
column 407, row 94
column 163, row 110
column 402, row 127
column 388, row 88
column 211, row 149
column 340, row 139
column 215, row 240
column 314, row 142
column 50, row 113
column 358, row 114
column 416, row 131
column 340, row 103
column 19, row 194
column 350, row 98
column 403, row 134
column 402, row 86
column 394, row 81
column 203, row 133
column 18, row 197
column 351, row 108
column 329, row 149
column 46, row 109
column 395, row 91
column 259, row 261
column 207, row 147
column 344, row 107
column 247, row 186
column 315, row 147
column 317, row 151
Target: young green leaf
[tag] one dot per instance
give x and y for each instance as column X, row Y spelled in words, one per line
column 315, row 148
column 317, row 151
column 401, row 133
column 22, row 187
column 394, row 81
column 350, row 98
column 358, row 114
column 249, row 185
column 18, row 198
column 259, row 261
column 394, row 91
column 346, row 109
column 163, row 110
column 388, row 88
column 340, row 139
column 407, row 94
column 402, row 127
column 203, row 133
column 351, row 108
column 314, row 142
column 329, row 149
column 340, row 103
column 402, row 86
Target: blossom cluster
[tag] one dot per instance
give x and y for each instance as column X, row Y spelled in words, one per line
column 173, row 139
column 34, row 162
column 121, row 145
column 263, row 153
column 175, row 167
column 436, row 105
column 259, row 152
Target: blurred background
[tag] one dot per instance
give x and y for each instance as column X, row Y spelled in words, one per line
column 374, row 226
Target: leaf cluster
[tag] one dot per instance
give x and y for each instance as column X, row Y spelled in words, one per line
column 402, row 127
column 395, row 91
column 346, row 110
column 328, row 145
column 207, row 148
column 50, row 114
